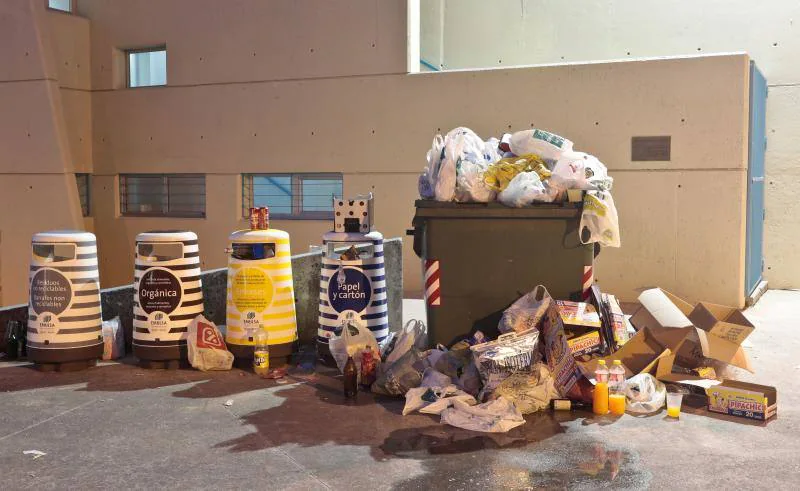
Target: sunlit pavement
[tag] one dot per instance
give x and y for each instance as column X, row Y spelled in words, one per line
column 119, row 425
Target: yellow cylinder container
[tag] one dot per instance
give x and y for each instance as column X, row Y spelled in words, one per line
column 260, row 294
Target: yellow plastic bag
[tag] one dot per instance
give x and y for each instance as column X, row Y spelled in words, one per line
column 499, row 174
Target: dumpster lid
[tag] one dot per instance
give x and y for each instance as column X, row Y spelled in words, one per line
column 449, row 209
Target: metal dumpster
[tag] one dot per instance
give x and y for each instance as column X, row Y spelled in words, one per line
column 478, row 258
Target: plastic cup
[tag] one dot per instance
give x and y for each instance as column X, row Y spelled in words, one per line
column 674, row 400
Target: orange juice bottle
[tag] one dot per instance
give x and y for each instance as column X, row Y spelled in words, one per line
column 616, row 388
column 600, row 400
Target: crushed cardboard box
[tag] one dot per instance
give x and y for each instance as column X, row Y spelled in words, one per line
column 674, row 332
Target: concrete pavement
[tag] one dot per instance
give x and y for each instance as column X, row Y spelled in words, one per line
column 118, row 425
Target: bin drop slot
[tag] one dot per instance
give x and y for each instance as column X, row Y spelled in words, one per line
column 53, row 253
column 160, row 251
column 250, row 251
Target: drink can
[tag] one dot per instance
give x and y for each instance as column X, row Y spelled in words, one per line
column 254, row 218
column 263, row 218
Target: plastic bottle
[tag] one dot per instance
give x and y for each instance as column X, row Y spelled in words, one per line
column 616, row 388
column 261, row 353
column 600, row 399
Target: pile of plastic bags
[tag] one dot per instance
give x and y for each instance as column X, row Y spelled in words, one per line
column 526, row 167
column 476, row 384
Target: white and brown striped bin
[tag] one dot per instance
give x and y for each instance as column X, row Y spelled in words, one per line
column 64, row 318
column 167, row 296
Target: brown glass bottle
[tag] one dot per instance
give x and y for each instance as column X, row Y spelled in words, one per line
column 350, row 378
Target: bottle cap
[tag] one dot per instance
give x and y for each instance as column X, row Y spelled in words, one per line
column 617, row 362
column 602, row 362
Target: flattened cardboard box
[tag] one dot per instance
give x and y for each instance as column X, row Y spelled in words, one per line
column 693, row 333
column 752, row 401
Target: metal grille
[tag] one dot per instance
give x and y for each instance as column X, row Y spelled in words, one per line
column 175, row 195
column 292, row 196
column 84, row 193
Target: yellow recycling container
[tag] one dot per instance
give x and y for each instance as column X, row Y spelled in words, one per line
column 260, row 294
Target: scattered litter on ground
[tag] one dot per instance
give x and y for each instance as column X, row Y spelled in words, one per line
column 228, row 403
column 36, row 453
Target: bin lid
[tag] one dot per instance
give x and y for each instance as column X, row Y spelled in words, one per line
column 166, row 236
column 352, row 237
column 258, row 236
column 446, row 209
column 64, row 236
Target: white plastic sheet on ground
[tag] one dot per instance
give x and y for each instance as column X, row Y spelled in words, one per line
column 497, row 416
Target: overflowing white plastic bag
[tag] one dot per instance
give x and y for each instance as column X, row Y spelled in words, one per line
column 579, row 170
column 524, row 189
column 599, row 221
column 542, row 143
column 427, row 180
column 470, row 184
column 645, row 394
column 497, row 416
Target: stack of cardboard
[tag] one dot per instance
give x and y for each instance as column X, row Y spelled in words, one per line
column 677, row 341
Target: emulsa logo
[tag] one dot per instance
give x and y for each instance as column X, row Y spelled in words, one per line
column 251, row 320
column 159, row 321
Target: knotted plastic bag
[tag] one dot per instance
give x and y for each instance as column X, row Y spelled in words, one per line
column 539, row 142
column 645, row 394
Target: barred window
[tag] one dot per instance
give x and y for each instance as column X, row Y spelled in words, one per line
column 292, row 196
column 169, row 195
column 84, row 192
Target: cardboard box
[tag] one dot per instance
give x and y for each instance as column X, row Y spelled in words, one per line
column 617, row 320
column 641, row 354
column 693, row 332
column 578, row 314
column 585, row 343
column 752, row 401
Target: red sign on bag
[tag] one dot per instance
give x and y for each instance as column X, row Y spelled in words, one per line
column 208, row 337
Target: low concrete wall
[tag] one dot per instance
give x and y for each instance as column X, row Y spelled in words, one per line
column 305, row 270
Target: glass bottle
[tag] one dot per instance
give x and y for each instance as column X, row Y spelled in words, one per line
column 350, row 379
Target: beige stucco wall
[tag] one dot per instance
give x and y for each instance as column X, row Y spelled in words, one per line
column 349, row 107
column 36, row 158
column 518, row 32
column 671, row 222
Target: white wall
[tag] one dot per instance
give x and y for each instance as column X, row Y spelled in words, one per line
column 477, row 33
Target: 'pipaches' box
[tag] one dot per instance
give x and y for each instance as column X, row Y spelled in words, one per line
column 753, row 401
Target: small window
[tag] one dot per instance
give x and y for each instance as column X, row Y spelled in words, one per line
column 147, row 67
column 292, row 196
column 62, row 5
column 174, row 195
column 83, row 181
